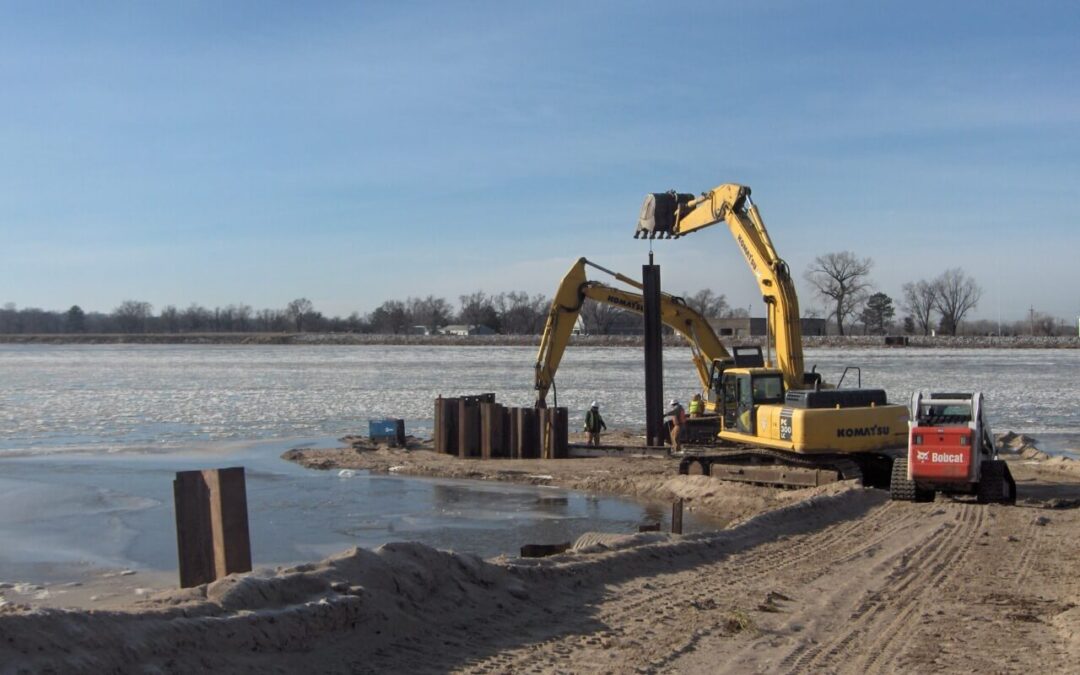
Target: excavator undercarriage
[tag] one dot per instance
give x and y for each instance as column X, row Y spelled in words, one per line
column 762, row 466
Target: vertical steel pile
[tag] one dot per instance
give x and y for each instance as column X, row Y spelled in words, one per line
column 212, row 539
column 477, row 427
column 654, row 355
column 526, row 443
column 492, row 440
column 446, row 436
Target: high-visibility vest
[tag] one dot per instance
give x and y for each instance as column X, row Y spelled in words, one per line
column 696, row 405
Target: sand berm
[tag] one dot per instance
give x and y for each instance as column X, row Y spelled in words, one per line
column 830, row 579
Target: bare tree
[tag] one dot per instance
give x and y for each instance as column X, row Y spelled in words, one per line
column 599, row 317
column 131, row 315
column 1042, row 324
column 707, row 303
column 920, row 300
column 391, row 317
column 298, row 311
column 430, row 312
column 271, row 320
column 957, row 294
column 241, row 315
column 477, row 310
column 842, row 278
column 520, row 314
column 170, row 319
column 196, row 318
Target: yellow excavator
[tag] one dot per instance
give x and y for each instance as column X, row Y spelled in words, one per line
column 786, row 425
column 707, row 353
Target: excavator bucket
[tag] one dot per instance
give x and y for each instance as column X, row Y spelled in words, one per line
column 659, row 214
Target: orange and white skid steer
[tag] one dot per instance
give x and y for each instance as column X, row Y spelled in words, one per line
column 950, row 449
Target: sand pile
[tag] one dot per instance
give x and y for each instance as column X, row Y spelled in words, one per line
column 360, row 609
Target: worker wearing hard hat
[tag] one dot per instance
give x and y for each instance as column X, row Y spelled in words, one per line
column 593, row 424
column 677, row 415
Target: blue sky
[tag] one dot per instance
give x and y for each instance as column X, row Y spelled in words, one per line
column 354, row 152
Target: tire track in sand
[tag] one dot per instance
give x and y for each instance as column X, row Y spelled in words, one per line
column 875, row 631
column 650, row 613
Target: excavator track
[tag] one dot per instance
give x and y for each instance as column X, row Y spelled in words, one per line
column 772, row 467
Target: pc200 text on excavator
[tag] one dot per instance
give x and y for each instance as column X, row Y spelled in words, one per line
column 777, row 415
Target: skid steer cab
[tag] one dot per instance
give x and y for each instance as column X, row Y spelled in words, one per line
column 950, row 449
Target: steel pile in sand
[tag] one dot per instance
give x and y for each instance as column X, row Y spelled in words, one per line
column 212, row 539
column 676, row 516
column 476, row 427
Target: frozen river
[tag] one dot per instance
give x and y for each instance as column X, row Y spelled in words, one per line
column 91, row 435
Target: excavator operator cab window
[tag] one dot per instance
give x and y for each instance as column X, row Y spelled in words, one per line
column 729, row 390
column 768, row 389
column 744, row 423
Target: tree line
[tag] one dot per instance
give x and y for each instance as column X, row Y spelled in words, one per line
column 512, row 313
column 841, row 280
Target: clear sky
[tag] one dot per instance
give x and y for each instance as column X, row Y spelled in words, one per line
column 356, row 152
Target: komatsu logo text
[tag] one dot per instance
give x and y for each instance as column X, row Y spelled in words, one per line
column 636, row 306
column 852, row 432
column 746, row 252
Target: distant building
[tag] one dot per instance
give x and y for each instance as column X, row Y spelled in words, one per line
column 461, row 329
column 747, row 327
column 421, row 330
column 814, row 326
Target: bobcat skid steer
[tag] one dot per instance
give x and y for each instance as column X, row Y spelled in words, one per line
column 950, row 449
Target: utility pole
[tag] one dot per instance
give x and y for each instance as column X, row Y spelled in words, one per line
column 1031, row 320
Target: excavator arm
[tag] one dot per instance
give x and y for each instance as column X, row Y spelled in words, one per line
column 672, row 215
column 705, row 346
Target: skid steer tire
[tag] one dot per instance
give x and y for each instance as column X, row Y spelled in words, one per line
column 996, row 485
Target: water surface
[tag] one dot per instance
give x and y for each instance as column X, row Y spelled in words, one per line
column 90, row 437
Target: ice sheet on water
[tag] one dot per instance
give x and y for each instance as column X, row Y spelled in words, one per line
column 60, row 397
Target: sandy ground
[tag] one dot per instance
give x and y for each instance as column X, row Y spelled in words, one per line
column 832, row 579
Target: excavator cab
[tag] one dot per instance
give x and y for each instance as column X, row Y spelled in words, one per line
column 744, row 389
column 742, row 356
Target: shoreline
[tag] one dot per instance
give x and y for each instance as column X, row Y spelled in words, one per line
column 914, row 342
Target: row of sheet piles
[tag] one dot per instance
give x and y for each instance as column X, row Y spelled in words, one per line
column 476, row 427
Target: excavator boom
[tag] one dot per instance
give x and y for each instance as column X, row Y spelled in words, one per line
column 673, row 215
column 705, row 347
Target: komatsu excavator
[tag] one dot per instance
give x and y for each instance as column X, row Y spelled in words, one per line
column 799, row 423
column 786, row 426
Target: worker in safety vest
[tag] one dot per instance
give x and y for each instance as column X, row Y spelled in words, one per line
column 697, row 406
column 593, row 424
column 677, row 415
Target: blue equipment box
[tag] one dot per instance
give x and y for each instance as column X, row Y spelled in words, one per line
column 391, row 431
